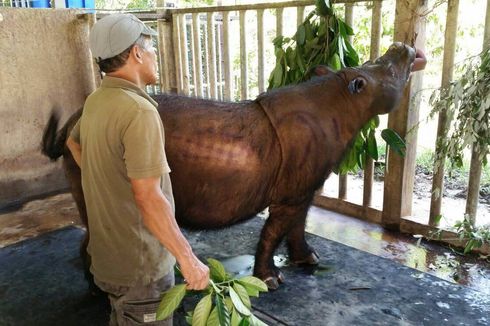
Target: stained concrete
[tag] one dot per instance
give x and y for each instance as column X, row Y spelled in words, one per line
column 45, row 64
column 41, row 283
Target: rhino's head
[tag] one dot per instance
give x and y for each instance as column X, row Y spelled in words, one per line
column 378, row 85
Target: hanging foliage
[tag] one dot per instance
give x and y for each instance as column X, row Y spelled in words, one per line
column 323, row 39
column 467, row 105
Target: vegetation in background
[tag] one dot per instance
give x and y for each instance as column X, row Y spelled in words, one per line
column 225, row 302
column 322, row 39
column 467, row 104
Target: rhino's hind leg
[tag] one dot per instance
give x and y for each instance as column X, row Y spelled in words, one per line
column 281, row 220
column 299, row 250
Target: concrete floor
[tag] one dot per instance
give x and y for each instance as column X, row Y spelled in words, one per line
column 54, row 212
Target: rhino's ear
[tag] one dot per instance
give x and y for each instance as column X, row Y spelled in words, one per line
column 321, row 70
column 357, row 85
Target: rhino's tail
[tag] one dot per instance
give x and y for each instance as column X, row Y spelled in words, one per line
column 53, row 141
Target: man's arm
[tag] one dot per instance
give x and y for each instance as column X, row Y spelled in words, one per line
column 75, row 149
column 160, row 221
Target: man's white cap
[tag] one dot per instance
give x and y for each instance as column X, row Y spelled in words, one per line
column 115, row 33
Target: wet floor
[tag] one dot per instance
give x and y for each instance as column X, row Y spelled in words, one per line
column 40, row 216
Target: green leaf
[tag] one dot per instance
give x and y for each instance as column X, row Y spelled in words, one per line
column 323, row 7
column 228, row 303
column 242, row 293
column 170, row 301
column 394, row 140
column 237, row 302
column 213, row 319
column 216, row 270
column 201, row 312
column 253, row 282
column 188, row 317
column 245, row 322
column 235, row 318
column 223, row 313
column 301, row 35
column 254, row 321
column 372, row 146
column 334, row 62
column 278, row 71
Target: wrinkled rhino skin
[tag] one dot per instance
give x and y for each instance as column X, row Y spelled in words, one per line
column 229, row 161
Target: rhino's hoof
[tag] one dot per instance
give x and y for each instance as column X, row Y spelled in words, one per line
column 312, row 259
column 272, row 282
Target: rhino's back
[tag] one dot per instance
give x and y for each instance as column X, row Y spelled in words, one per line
column 224, row 159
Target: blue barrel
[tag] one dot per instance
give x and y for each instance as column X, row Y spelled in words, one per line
column 89, row 4
column 74, row 3
column 40, row 4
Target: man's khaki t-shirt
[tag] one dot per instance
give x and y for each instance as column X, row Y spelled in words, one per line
column 122, row 137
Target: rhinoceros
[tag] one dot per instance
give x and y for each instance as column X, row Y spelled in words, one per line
column 231, row 160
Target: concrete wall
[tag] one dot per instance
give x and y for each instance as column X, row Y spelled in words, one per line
column 44, row 64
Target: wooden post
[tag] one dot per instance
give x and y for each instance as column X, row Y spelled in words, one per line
column 260, row 50
column 300, row 15
column 227, row 56
column 243, row 57
column 399, row 177
column 279, row 18
column 374, row 53
column 442, row 126
column 196, row 54
column 213, row 91
column 349, row 18
column 476, row 152
column 168, row 73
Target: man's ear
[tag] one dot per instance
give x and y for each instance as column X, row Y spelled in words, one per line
column 136, row 53
column 320, row 70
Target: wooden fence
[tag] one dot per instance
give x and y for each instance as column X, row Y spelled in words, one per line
column 194, row 55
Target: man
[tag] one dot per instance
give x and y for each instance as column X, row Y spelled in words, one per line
column 119, row 145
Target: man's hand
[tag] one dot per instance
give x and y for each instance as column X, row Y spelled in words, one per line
column 195, row 273
column 420, row 60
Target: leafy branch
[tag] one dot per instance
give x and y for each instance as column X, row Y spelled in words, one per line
column 467, row 104
column 323, row 39
column 225, row 302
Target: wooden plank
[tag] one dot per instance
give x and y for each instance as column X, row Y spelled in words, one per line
column 166, row 56
column 279, row 19
column 399, row 177
column 219, row 70
column 177, row 53
column 343, row 179
column 300, row 15
column 227, row 56
column 184, row 54
column 447, row 237
column 213, row 91
column 367, row 191
column 443, row 123
column 243, row 57
column 349, row 17
column 260, row 6
column 205, row 63
column 348, row 208
column 260, row 50
column 196, row 54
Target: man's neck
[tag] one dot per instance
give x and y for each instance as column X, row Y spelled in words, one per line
column 134, row 78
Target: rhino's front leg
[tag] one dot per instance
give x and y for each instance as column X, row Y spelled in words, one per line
column 282, row 218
